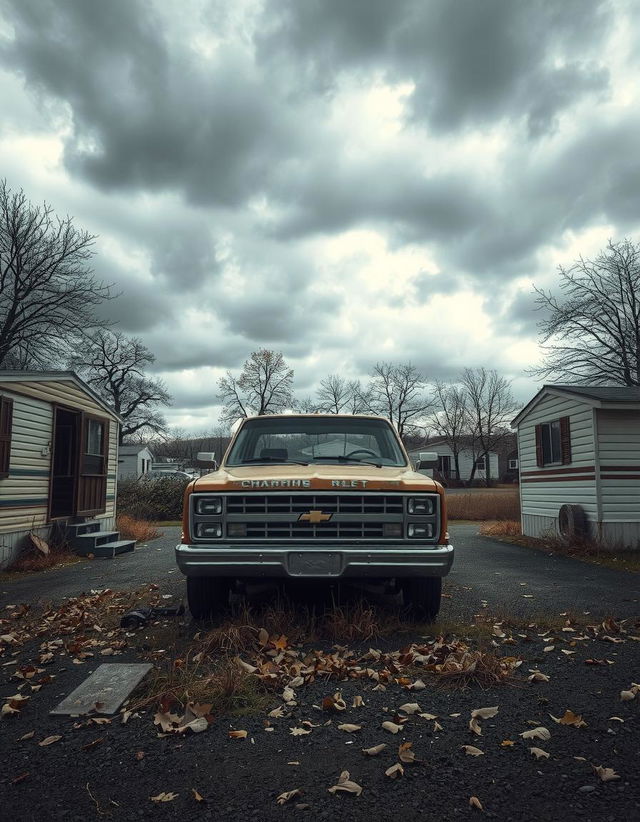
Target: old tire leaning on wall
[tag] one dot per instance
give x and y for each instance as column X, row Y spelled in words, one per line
column 572, row 522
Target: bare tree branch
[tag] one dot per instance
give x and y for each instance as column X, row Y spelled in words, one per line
column 398, row 392
column 263, row 387
column 592, row 331
column 115, row 366
column 47, row 290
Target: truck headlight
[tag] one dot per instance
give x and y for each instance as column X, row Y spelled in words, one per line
column 420, row 505
column 209, row 530
column 420, row 530
column 209, row 505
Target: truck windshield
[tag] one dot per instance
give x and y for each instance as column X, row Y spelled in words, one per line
column 331, row 440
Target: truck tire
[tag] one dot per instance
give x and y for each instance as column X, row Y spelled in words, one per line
column 423, row 595
column 207, row 596
column 572, row 522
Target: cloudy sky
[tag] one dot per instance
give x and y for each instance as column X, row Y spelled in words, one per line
column 346, row 181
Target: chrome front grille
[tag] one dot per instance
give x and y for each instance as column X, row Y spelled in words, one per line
column 322, row 530
column 317, row 517
column 300, row 503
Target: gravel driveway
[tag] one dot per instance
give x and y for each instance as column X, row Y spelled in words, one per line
column 502, row 577
column 112, row 770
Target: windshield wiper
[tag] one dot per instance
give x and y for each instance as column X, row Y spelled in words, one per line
column 273, row 459
column 342, row 458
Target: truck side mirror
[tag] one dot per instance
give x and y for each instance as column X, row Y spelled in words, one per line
column 426, row 460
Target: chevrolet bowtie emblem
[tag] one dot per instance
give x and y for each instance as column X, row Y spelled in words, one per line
column 314, row 517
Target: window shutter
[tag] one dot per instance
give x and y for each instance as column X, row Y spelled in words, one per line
column 6, row 418
column 565, row 440
column 539, row 451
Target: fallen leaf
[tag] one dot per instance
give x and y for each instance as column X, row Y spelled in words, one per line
column 29, row 735
column 345, row 784
column 627, row 696
column 167, row 721
column 616, row 718
column 238, row 734
column 163, row 797
column 536, row 733
column 410, row 708
column 250, row 669
column 474, row 802
column 474, row 726
column 548, row 648
column 507, row 743
column 538, row 753
column 537, row 676
column 276, row 713
column 375, row 750
column 392, row 727
column 349, row 728
column 570, row 718
column 299, row 731
column 358, row 702
column 437, row 727
column 471, row 750
column 287, row 795
column 484, row 713
column 418, row 685
column 197, row 796
column 394, row 771
column 334, row 703
column 49, row 741
column 405, row 754
column 605, row 774
column 197, row 726
column 428, row 716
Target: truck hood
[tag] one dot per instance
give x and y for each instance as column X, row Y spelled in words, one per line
column 319, row 476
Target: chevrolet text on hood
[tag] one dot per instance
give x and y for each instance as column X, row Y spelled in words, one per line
column 324, row 496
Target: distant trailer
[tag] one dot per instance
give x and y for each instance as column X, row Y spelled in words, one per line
column 58, row 460
column 579, row 462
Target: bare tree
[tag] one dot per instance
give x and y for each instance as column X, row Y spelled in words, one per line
column 451, row 420
column 263, row 387
column 337, row 395
column 490, row 407
column 47, row 289
column 592, row 332
column 114, row 365
column 398, row 392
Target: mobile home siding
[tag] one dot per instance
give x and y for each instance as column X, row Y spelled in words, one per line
column 619, row 450
column 542, row 495
column 24, row 494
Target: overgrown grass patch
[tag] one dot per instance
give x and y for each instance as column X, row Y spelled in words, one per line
column 139, row 529
column 501, row 528
column 483, row 506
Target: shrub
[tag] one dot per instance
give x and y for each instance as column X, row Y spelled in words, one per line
column 503, row 528
column 497, row 505
column 139, row 529
column 157, row 499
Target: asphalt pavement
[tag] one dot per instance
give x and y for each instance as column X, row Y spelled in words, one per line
column 487, row 574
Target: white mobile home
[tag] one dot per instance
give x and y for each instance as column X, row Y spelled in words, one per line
column 467, row 455
column 58, row 462
column 579, row 446
column 134, row 461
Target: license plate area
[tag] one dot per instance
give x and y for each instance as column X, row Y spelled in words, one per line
column 314, row 564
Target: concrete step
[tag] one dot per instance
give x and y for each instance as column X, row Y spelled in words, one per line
column 76, row 529
column 111, row 549
column 85, row 544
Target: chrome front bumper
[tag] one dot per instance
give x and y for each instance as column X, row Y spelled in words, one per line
column 319, row 561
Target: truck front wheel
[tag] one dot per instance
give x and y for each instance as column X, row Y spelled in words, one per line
column 207, row 596
column 422, row 595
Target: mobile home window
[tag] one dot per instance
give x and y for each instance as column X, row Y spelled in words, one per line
column 513, row 464
column 95, row 437
column 551, row 448
column 480, row 464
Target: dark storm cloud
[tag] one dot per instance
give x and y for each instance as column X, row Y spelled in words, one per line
column 145, row 112
column 329, row 196
column 472, row 63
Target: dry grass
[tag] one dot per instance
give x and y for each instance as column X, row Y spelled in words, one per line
column 501, row 528
column 484, row 505
column 139, row 529
column 33, row 561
